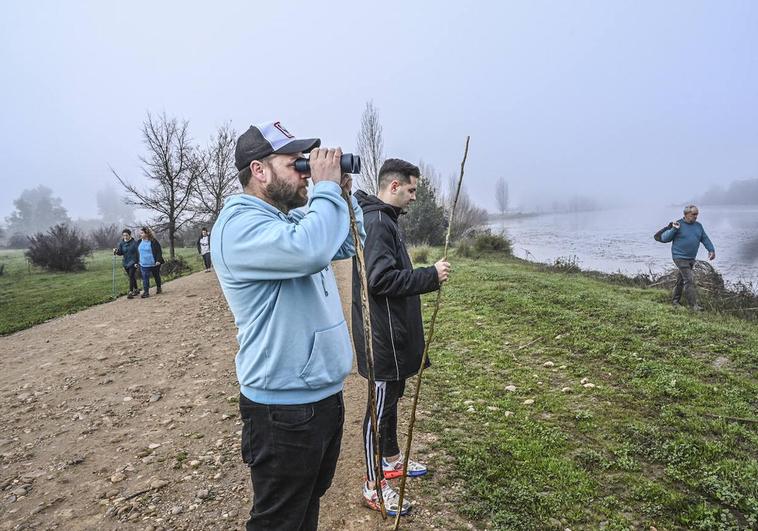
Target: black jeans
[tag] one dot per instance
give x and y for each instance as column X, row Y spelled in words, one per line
column 131, row 272
column 685, row 279
column 387, row 395
column 207, row 260
column 292, row 454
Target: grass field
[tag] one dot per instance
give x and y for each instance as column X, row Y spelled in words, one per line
column 664, row 436
column 29, row 296
column 642, row 415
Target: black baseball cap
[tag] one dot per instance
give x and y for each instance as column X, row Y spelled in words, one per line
column 266, row 139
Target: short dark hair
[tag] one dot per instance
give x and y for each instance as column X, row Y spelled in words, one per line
column 244, row 176
column 397, row 169
column 204, row 229
column 126, row 231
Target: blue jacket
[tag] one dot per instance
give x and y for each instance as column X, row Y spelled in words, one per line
column 129, row 251
column 687, row 239
column 276, row 276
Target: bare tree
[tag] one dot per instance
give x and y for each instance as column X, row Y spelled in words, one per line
column 168, row 166
column 501, row 195
column 467, row 215
column 371, row 150
column 432, row 176
column 215, row 174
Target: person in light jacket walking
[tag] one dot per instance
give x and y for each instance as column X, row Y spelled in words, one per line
column 204, row 248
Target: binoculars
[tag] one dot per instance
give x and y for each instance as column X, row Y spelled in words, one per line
column 349, row 163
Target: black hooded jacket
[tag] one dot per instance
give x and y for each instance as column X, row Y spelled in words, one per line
column 394, row 288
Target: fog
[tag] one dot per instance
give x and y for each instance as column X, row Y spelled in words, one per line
column 623, row 102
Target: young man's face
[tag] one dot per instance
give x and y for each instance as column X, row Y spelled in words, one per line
column 405, row 194
column 126, row 236
column 205, row 232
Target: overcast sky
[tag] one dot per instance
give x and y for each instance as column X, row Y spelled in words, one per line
column 630, row 101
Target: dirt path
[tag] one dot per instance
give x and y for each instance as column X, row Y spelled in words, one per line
column 124, row 416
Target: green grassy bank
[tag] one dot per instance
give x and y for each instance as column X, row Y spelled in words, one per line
column 29, row 296
column 661, row 437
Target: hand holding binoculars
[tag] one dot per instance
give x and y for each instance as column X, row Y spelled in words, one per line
column 349, row 163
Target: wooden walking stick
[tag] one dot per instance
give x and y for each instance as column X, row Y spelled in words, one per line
column 113, row 262
column 367, row 338
column 425, row 357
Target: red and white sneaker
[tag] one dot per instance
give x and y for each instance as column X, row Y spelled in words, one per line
column 395, row 469
column 389, row 495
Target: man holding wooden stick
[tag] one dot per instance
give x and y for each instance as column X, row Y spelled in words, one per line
column 273, row 262
column 398, row 336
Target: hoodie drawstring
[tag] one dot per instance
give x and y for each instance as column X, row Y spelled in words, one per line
column 323, row 282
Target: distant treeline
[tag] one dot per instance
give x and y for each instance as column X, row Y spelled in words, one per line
column 738, row 193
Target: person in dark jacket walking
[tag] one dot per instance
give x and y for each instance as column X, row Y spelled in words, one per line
column 398, row 334
column 204, row 248
column 150, row 260
column 127, row 248
column 686, row 236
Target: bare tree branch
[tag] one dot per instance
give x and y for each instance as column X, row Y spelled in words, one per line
column 216, row 175
column 501, row 195
column 167, row 166
column 466, row 215
column 371, row 150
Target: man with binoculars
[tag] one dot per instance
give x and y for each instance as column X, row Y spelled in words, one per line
column 273, row 262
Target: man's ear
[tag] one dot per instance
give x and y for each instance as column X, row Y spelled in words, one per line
column 394, row 185
column 256, row 171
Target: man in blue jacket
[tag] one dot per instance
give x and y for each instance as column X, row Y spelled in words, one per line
column 273, row 262
column 687, row 235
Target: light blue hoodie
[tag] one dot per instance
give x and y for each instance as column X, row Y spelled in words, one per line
column 276, row 276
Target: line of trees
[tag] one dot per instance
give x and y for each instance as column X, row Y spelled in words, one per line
column 186, row 183
column 187, row 186
column 744, row 192
column 427, row 218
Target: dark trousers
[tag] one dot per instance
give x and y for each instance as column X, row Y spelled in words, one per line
column 207, row 260
column 387, row 396
column 685, row 280
column 156, row 271
column 131, row 272
column 292, row 454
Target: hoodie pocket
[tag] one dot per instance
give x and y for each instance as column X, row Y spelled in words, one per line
column 331, row 358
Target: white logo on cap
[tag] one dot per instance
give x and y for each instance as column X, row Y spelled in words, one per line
column 283, row 130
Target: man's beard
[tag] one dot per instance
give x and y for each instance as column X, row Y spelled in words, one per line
column 284, row 195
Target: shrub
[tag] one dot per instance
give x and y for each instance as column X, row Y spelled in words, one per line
column 61, row 249
column 425, row 221
column 105, row 236
column 175, row 267
column 420, row 253
column 486, row 241
column 476, row 242
column 567, row 264
column 464, row 249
